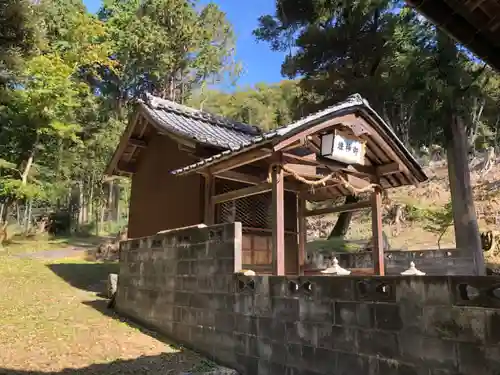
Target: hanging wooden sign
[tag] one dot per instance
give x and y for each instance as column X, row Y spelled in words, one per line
column 343, row 147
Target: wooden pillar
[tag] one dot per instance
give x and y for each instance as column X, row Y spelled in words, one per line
column 278, row 222
column 208, row 212
column 301, row 232
column 378, row 242
column 467, row 235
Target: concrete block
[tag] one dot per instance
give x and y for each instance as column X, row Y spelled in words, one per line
column 428, row 351
column 377, row 343
column 224, row 321
column 273, row 329
column 334, row 288
column 308, row 333
column 392, row 367
column 294, row 355
column 182, row 298
column 286, row 309
column 351, row 363
column 462, row 324
column 345, row 314
column 247, row 324
column 343, row 339
column 387, row 317
column 316, row 310
column 266, row 367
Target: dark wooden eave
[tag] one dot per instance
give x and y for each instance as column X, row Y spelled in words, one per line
column 473, row 23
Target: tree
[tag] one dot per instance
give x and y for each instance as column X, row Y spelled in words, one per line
column 17, row 36
column 266, row 106
column 164, row 47
column 422, row 83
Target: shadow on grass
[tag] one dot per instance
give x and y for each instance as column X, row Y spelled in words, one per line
column 101, row 305
column 86, row 276
column 166, row 363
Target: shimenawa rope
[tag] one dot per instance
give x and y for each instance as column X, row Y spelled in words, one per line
column 332, row 176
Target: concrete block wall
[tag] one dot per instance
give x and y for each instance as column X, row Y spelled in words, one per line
column 183, row 285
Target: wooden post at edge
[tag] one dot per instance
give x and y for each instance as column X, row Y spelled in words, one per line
column 208, row 201
column 278, row 222
column 378, row 242
column 301, row 232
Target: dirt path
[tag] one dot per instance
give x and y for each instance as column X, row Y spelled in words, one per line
column 55, row 254
column 53, row 321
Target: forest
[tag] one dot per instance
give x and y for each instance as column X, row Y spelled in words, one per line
column 69, row 80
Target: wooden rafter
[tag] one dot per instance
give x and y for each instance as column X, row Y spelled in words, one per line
column 240, row 177
column 239, row 160
column 241, row 193
column 126, row 167
column 349, row 207
column 140, row 143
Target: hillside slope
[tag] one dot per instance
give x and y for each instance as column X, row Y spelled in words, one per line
column 415, row 202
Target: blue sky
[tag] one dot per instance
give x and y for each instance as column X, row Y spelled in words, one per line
column 259, row 62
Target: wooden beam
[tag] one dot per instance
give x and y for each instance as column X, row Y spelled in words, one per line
column 294, row 145
column 239, row 177
column 208, row 200
column 337, row 209
column 254, row 180
column 125, row 167
column 357, row 182
column 278, row 221
column 347, row 119
column 309, row 160
column 386, row 169
column 113, row 164
column 140, row 143
column 241, row 193
column 239, row 160
column 378, row 242
column 302, row 232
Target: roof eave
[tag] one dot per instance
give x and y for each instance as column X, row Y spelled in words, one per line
column 360, row 108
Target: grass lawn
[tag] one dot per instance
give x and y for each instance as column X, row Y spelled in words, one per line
column 52, row 319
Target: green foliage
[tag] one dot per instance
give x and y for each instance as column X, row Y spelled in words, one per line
column 266, row 106
column 66, row 77
column 165, row 47
column 415, row 213
column 410, row 73
column 439, row 220
column 333, row 244
column 18, row 36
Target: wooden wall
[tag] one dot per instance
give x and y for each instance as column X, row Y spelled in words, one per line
column 160, row 200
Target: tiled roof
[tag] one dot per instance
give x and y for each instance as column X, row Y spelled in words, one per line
column 282, row 132
column 352, row 103
column 198, row 125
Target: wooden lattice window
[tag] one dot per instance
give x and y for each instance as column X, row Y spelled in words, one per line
column 253, row 211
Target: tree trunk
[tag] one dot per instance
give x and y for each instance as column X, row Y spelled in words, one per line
column 27, row 168
column 115, row 210
column 464, row 214
column 344, row 220
column 25, row 218
column 30, row 211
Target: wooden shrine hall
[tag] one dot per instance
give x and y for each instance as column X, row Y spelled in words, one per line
column 343, row 150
